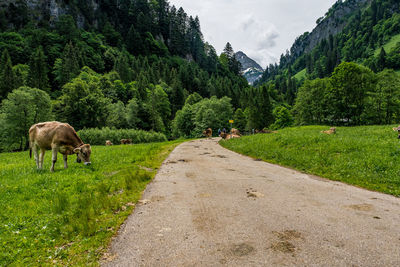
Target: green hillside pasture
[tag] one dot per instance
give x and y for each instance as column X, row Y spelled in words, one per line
column 367, row 156
column 389, row 45
column 301, row 75
column 68, row 217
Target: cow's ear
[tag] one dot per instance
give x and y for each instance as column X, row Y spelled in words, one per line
column 76, row 150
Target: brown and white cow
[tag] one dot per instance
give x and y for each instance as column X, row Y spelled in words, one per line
column 126, row 141
column 57, row 137
column 235, row 131
column 109, row 143
column 227, row 136
column 330, row 131
column 208, row 133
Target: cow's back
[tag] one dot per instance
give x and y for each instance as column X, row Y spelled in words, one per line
column 47, row 133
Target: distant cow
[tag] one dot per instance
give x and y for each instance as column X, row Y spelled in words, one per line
column 126, row 141
column 397, row 129
column 109, row 143
column 235, row 131
column 227, row 136
column 207, row 132
column 57, row 137
column 330, row 131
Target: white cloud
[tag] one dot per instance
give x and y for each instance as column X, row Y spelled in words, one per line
column 261, row 29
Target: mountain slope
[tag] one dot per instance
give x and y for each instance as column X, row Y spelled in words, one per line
column 351, row 30
column 250, row 69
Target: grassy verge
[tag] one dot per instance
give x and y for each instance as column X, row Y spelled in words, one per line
column 68, row 217
column 363, row 156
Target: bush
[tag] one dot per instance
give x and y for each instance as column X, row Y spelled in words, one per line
column 99, row 136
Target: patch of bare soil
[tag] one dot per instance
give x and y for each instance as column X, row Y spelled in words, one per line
column 361, row 207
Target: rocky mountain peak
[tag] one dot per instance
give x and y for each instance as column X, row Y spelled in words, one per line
column 251, row 70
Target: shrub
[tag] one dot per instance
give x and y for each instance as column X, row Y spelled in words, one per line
column 99, row 136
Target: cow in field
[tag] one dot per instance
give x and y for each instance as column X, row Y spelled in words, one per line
column 109, row 143
column 397, row 129
column 227, row 136
column 126, row 141
column 235, row 131
column 57, row 137
column 330, row 131
column 208, row 133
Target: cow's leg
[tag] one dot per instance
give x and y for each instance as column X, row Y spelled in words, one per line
column 41, row 158
column 54, row 151
column 65, row 161
column 36, row 155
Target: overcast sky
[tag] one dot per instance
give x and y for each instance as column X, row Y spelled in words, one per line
column 263, row 29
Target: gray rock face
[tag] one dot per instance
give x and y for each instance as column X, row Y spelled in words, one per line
column 54, row 9
column 330, row 25
column 251, row 70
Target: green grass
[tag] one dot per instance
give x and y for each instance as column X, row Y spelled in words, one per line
column 367, row 156
column 389, row 45
column 68, row 217
column 301, row 75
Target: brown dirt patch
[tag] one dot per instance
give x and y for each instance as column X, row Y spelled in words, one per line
column 361, row 207
column 284, row 246
column 190, row 175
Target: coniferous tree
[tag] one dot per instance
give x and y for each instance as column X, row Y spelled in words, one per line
column 381, row 61
column 7, row 75
column 70, row 65
column 122, row 67
column 37, row 77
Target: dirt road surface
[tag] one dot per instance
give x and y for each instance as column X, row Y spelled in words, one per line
column 212, row 207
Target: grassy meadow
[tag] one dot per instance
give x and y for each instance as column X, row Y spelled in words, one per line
column 367, row 156
column 68, row 217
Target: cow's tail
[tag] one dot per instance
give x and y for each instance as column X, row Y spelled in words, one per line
column 30, row 149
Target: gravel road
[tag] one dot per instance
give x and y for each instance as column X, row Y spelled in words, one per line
column 209, row 206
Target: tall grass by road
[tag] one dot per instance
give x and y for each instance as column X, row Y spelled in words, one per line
column 367, row 156
column 68, row 217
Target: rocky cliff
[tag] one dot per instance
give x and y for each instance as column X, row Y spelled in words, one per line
column 332, row 23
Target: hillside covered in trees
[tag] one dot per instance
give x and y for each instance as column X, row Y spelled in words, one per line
column 121, row 64
column 319, row 84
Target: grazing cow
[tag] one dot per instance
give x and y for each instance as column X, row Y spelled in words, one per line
column 208, row 132
column 109, row 143
column 57, row 137
column 397, row 129
column 126, row 141
column 330, row 131
column 235, row 131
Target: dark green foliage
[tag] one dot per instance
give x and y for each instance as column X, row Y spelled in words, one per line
column 240, row 120
column 37, row 77
column 260, row 109
column 7, row 75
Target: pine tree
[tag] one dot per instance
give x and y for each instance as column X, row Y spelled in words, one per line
column 70, row 65
column 37, row 77
column 381, row 61
column 7, row 75
column 122, row 67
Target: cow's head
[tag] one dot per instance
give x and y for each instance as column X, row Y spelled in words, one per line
column 83, row 154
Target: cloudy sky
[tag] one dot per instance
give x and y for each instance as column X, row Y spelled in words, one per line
column 263, row 29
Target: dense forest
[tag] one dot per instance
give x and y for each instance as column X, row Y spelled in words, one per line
column 119, row 64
